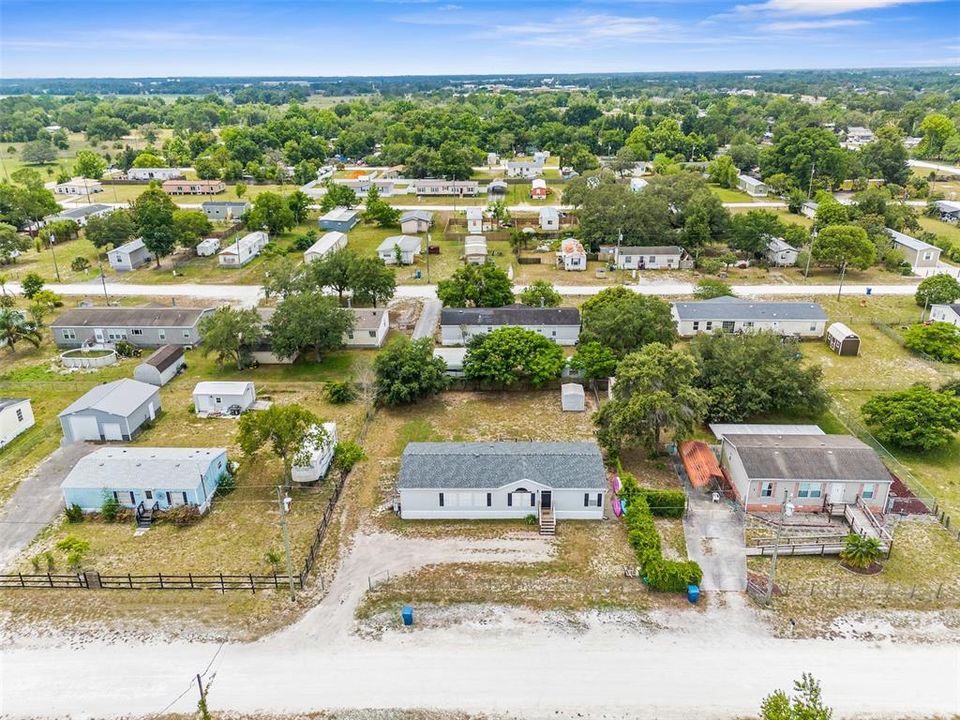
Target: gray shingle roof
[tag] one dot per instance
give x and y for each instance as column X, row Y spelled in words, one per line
column 494, row 464
column 131, row 468
column 741, row 309
column 76, row 213
column 808, row 457
column 130, row 317
column 424, row 215
column 650, row 250
column 120, row 397
column 132, row 246
column 911, row 242
column 407, row 243
column 510, row 315
column 367, row 318
column 779, row 245
column 164, row 357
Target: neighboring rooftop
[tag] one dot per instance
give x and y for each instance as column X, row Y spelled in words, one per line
column 120, row 397
column 423, row 215
column 11, row 402
column 76, row 213
column 494, row 464
column 407, row 243
column 367, row 318
column 729, row 308
column 808, row 457
column 142, row 468
column 650, row 250
column 340, row 214
column 164, row 357
column 911, row 242
column 721, row 429
column 779, row 245
column 221, row 387
column 130, row 317
column 132, row 246
column 510, row 315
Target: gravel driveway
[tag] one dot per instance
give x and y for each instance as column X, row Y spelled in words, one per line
column 714, row 535
column 36, row 501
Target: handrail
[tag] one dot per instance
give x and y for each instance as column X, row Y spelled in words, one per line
column 881, row 530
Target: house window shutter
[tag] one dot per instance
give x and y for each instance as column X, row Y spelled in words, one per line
column 509, row 499
column 533, row 499
column 441, row 499
column 489, row 499
column 586, row 499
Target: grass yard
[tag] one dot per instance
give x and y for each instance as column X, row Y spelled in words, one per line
column 784, row 214
column 819, row 589
column 731, row 194
column 946, row 230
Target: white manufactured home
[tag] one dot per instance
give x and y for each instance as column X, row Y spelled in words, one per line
column 737, row 315
column 243, row 250
column 459, row 325
column 315, row 457
column 16, row 416
column 500, row 480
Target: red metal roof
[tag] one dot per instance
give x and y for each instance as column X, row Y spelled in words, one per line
column 700, row 463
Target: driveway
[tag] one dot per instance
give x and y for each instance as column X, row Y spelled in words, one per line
column 714, row 535
column 36, row 501
column 427, row 322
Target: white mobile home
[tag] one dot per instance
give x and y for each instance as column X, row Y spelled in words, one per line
column 946, row 313
column 136, row 173
column 224, row 209
column 549, row 219
column 78, row 186
column 752, row 186
column 16, row 416
column 317, row 454
column 328, row 243
column 370, row 328
column 474, row 220
column 781, row 253
column 657, row 257
column 498, row 480
column 453, row 357
column 219, row 398
column 141, row 326
column 243, row 250
column 459, row 325
column 208, row 247
column 800, row 319
column 475, row 249
column 402, row 247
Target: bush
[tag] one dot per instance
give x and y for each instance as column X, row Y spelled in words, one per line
column 74, row 514
column 79, row 264
column 530, row 519
column 179, row 516
column 110, row 509
column 73, row 544
column 659, row 573
column 341, row 393
column 710, row 288
column 126, row 350
column 347, row 454
column 860, row 551
column 226, row 485
column 273, row 558
column 939, row 340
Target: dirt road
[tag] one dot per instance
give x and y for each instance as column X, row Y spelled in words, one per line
column 713, row 664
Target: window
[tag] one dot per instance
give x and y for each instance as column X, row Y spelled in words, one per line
column 69, row 334
column 162, row 334
column 554, row 333
column 813, row 327
column 709, row 324
column 586, row 499
column 136, row 331
column 748, row 324
column 218, row 400
column 869, row 489
column 441, row 499
column 696, row 324
column 766, row 489
column 186, row 333
column 489, row 499
column 509, row 499
column 19, row 414
column 653, row 260
column 350, row 335
column 729, row 325
column 809, row 490
column 533, row 500
column 149, row 494
column 373, row 333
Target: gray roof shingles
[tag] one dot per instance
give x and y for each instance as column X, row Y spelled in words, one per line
column 740, row 309
column 809, row 457
column 510, row 315
column 130, row 317
column 574, row 465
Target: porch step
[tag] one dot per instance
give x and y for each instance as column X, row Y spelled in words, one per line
column 548, row 526
column 146, row 519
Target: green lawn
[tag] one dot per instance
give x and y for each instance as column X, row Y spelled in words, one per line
column 946, row 230
column 730, row 195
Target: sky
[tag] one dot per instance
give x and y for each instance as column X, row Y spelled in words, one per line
column 152, row 38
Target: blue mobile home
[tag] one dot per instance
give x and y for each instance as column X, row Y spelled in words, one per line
column 340, row 219
column 161, row 477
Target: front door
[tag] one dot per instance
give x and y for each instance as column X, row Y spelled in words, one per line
column 176, row 498
column 546, row 499
column 837, row 491
column 98, row 335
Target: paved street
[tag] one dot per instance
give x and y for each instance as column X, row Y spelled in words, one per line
column 36, row 501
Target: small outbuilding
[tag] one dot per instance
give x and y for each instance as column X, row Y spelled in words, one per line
column 340, row 219
column 572, row 398
column 475, row 249
column 842, row 340
column 402, row 248
column 219, row 398
column 316, row 455
column 415, row 221
column 208, row 247
column 161, row 367
column 453, row 357
column 130, row 256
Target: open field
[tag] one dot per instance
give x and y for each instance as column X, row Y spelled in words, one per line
column 731, row 194
column 949, row 231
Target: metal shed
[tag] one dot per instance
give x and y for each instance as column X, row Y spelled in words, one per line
column 842, row 340
column 161, row 367
column 572, row 398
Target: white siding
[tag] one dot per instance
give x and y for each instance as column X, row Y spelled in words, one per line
column 471, row 503
column 459, row 335
column 803, row 328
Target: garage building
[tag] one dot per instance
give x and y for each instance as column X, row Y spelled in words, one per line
column 113, row 411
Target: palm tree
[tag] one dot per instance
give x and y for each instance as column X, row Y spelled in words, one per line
column 15, row 327
column 860, row 551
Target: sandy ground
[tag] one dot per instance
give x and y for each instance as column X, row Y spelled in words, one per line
column 713, row 664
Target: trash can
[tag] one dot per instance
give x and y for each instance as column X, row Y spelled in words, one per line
column 869, row 291
column 418, row 274
column 407, row 614
column 693, row 593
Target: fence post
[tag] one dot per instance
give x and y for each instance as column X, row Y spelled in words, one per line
column 223, row 588
column 21, row 580
column 160, row 577
column 130, row 580
column 50, row 579
column 253, row 588
column 939, row 588
column 912, row 591
column 190, row 575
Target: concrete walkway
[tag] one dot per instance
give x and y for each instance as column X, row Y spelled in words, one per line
column 429, row 317
column 714, row 534
column 37, row 501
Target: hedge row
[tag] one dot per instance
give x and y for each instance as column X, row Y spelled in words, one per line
column 658, row 572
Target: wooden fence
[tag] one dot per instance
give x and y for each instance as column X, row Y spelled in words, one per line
column 158, row 581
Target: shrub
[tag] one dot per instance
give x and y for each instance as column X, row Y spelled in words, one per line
column 273, row 558
column 226, row 485
column 341, row 393
column 860, row 551
column 671, row 575
column 74, row 514
column 347, row 454
column 530, row 519
column 180, row 516
column 79, row 264
column 939, row 340
column 51, row 561
column 710, row 288
column 35, row 562
column 665, row 503
column 73, row 544
column 74, row 560
column 126, row 350
column 110, row 509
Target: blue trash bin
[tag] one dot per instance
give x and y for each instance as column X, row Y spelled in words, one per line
column 869, row 291
column 693, row 593
column 407, row 614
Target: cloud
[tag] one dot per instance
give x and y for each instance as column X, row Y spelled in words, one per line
column 822, row 7
column 121, row 38
column 798, row 25
column 579, row 30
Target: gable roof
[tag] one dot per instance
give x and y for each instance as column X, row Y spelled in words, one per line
column 778, row 244
column 132, row 246
column 164, row 357
column 120, row 397
column 131, row 317
column 326, row 242
column 913, row 243
column 700, row 463
column 650, row 250
column 222, row 387
column 549, row 212
column 367, row 318
column 11, row 402
column 725, row 308
column 749, row 180
column 142, row 468
column 340, row 214
column 424, row 215
column 808, row 457
column 510, row 315
column 721, row 429
column 76, row 213
column 494, row 464
column 407, row 243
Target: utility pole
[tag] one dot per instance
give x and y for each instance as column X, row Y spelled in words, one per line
column 53, row 240
column 843, row 271
column 202, row 706
column 806, row 272
column 284, row 504
column 786, row 511
column 813, row 166
column 103, row 278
